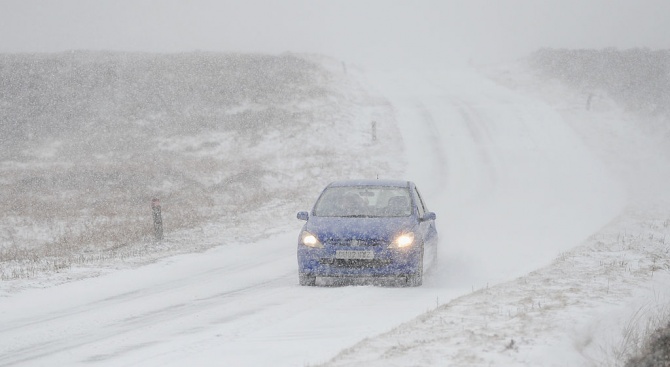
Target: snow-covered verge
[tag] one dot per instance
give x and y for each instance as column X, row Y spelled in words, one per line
column 595, row 304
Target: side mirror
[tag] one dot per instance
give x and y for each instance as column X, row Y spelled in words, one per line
column 303, row 215
column 428, row 216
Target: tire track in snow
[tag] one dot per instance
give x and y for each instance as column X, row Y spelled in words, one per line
column 118, row 328
column 480, row 134
column 435, row 143
column 130, row 296
column 54, row 333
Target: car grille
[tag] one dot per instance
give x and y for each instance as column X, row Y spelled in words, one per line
column 354, row 242
column 356, row 263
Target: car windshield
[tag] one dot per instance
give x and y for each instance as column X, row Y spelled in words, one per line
column 364, row 201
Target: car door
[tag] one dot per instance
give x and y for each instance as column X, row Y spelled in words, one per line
column 427, row 229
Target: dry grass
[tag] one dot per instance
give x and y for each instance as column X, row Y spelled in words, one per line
column 88, row 139
column 645, row 344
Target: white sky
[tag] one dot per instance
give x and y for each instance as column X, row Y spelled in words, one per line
column 357, row 30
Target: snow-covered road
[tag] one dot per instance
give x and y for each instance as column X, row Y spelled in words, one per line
column 234, row 305
column 512, row 183
column 512, row 186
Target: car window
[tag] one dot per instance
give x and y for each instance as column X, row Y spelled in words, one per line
column 364, row 201
column 419, row 203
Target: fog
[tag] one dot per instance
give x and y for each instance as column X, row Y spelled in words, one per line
column 371, row 32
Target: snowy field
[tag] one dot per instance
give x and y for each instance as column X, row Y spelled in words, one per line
column 553, row 249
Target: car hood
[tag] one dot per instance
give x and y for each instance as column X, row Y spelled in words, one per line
column 361, row 228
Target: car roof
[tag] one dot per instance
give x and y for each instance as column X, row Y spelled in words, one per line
column 368, row 182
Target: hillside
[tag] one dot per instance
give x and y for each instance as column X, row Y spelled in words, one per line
column 552, row 212
column 637, row 79
column 87, row 139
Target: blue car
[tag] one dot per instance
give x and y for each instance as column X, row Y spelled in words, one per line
column 367, row 231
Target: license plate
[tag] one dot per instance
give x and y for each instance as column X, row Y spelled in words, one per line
column 354, row 255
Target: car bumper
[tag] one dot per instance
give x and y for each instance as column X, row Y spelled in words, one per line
column 331, row 281
column 385, row 263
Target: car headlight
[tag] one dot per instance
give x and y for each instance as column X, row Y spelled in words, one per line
column 310, row 240
column 403, row 240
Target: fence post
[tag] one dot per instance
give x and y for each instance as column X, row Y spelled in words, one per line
column 158, row 220
column 374, row 130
